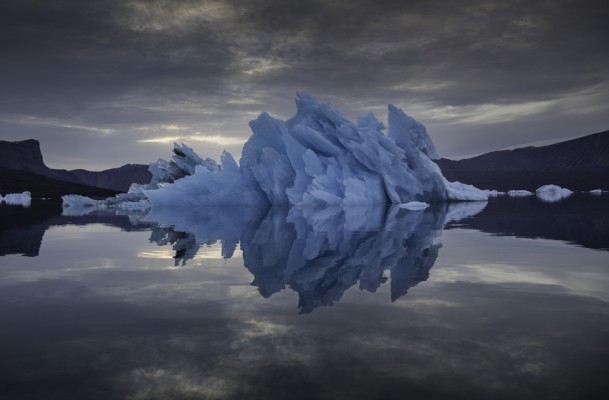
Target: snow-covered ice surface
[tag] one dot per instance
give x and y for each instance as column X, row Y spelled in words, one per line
column 552, row 193
column 18, row 199
column 316, row 158
column 519, row 193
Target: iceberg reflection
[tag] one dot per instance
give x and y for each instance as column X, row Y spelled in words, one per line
column 319, row 253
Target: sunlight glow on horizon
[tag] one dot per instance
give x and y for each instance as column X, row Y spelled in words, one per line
column 217, row 139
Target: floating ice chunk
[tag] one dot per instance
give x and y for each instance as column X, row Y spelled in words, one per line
column 552, row 193
column 78, row 201
column 414, row 205
column 462, row 192
column 18, row 199
column 596, row 192
column 77, row 205
column 493, row 193
column 519, row 193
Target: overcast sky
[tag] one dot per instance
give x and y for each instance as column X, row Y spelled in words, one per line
column 102, row 83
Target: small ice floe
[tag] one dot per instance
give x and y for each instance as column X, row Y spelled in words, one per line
column 519, row 193
column 414, row 205
column 77, row 201
column 18, row 199
column 552, row 193
column 596, row 192
column 493, row 193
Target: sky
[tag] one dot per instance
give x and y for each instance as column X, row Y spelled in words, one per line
column 102, row 83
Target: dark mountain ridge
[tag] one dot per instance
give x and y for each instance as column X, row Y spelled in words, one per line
column 22, row 167
column 577, row 164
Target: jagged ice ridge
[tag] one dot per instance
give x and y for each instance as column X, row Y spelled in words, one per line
column 316, row 158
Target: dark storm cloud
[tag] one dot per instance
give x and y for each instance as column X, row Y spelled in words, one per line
column 210, row 66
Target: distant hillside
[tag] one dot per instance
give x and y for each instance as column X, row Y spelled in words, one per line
column 578, row 164
column 115, row 178
column 14, row 181
column 22, row 168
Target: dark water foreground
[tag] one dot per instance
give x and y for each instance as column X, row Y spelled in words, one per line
column 473, row 301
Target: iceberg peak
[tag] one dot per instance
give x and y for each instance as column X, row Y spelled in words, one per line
column 409, row 134
column 305, row 102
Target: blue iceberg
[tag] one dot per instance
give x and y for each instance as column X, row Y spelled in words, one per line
column 317, row 158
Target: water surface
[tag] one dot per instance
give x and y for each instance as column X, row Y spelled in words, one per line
column 505, row 300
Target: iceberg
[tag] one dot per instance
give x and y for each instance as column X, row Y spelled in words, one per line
column 316, row 158
column 596, row 192
column 19, row 199
column 552, row 193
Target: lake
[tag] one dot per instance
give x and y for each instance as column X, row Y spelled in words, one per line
column 506, row 299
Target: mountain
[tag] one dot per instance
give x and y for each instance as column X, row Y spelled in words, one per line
column 115, row 178
column 578, row 164
column 15, row 181
column 22, row 168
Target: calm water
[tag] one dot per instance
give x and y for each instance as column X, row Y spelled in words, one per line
column 508, row 300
